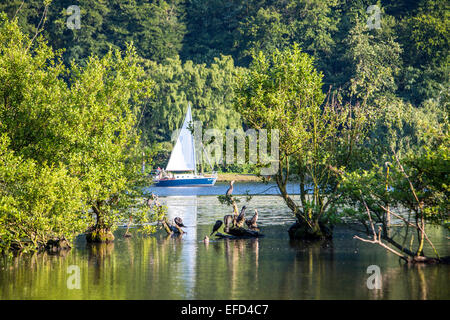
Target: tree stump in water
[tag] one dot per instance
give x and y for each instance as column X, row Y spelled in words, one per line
column 171, row 228
column 56, row 245
column 301, row 231
column 239, row 233
column 99, row 235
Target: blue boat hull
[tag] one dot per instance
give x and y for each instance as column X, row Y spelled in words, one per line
column 186, row 182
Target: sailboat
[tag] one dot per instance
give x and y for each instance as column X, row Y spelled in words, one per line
column 183, row 159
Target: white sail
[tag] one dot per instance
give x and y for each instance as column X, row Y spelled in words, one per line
column 182, row 157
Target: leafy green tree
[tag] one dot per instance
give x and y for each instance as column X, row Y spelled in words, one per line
column 406, row 179
column 208, row 88
column 263, row 32
column 374, row 58
column 79, row 44
column 424, row 34
column 313, row 26
column 69, row 141
column 38, row 202
column 211, row 28
column 156, row 28
column 417, row 183
column 427, row 30
column 104, row 101
column 317, row 137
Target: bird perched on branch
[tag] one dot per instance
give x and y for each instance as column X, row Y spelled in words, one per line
column 251, row 223
column 216, row 227
column 128, row 235
column 228, row 221
column 230, row 189
column 241, row 216
column 179, row 222
column 152, row 200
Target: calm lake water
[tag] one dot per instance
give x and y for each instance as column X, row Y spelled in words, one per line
column 162, row 267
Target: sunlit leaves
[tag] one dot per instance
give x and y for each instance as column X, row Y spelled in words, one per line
column 318, row 137
column 69, row 141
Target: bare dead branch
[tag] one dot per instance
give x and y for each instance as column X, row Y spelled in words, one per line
column 370, row 217
column 382, row 245
column 23, row 1
column 38, row 29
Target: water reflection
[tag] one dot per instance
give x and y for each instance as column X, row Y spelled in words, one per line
column 99, row 259
column 162, row 267
column 241, row 253
column 185, row 208
column 240, row 188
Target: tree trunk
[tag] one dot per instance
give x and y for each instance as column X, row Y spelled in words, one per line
column 100, row 233
column 421, row 234
column 305, row 228
column 239, row 232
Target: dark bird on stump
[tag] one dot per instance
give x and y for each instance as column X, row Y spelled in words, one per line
column 230, row 189
column 228, row 221
column 172, row 227
column 251, row 223
column 241, row 215
column 216, row 227
column 179, row 222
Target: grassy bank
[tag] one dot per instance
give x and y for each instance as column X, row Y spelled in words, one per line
column 226, row 177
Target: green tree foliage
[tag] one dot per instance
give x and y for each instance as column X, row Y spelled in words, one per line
column 208, row 88
column 190, row 49
column 156, row 28
column 38, row 202
column 313, row 26
column 374, row 58
column 104, row 104
column 69, row 140
column 410, row 49
column 424, row 34
column 212, row 27
column 263, row 32
column 408, row 181
column 415, row 192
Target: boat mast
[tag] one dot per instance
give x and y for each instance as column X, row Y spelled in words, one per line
column 193, row 140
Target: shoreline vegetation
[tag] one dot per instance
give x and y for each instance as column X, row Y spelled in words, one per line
column 358, row 115
column 238, row 177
